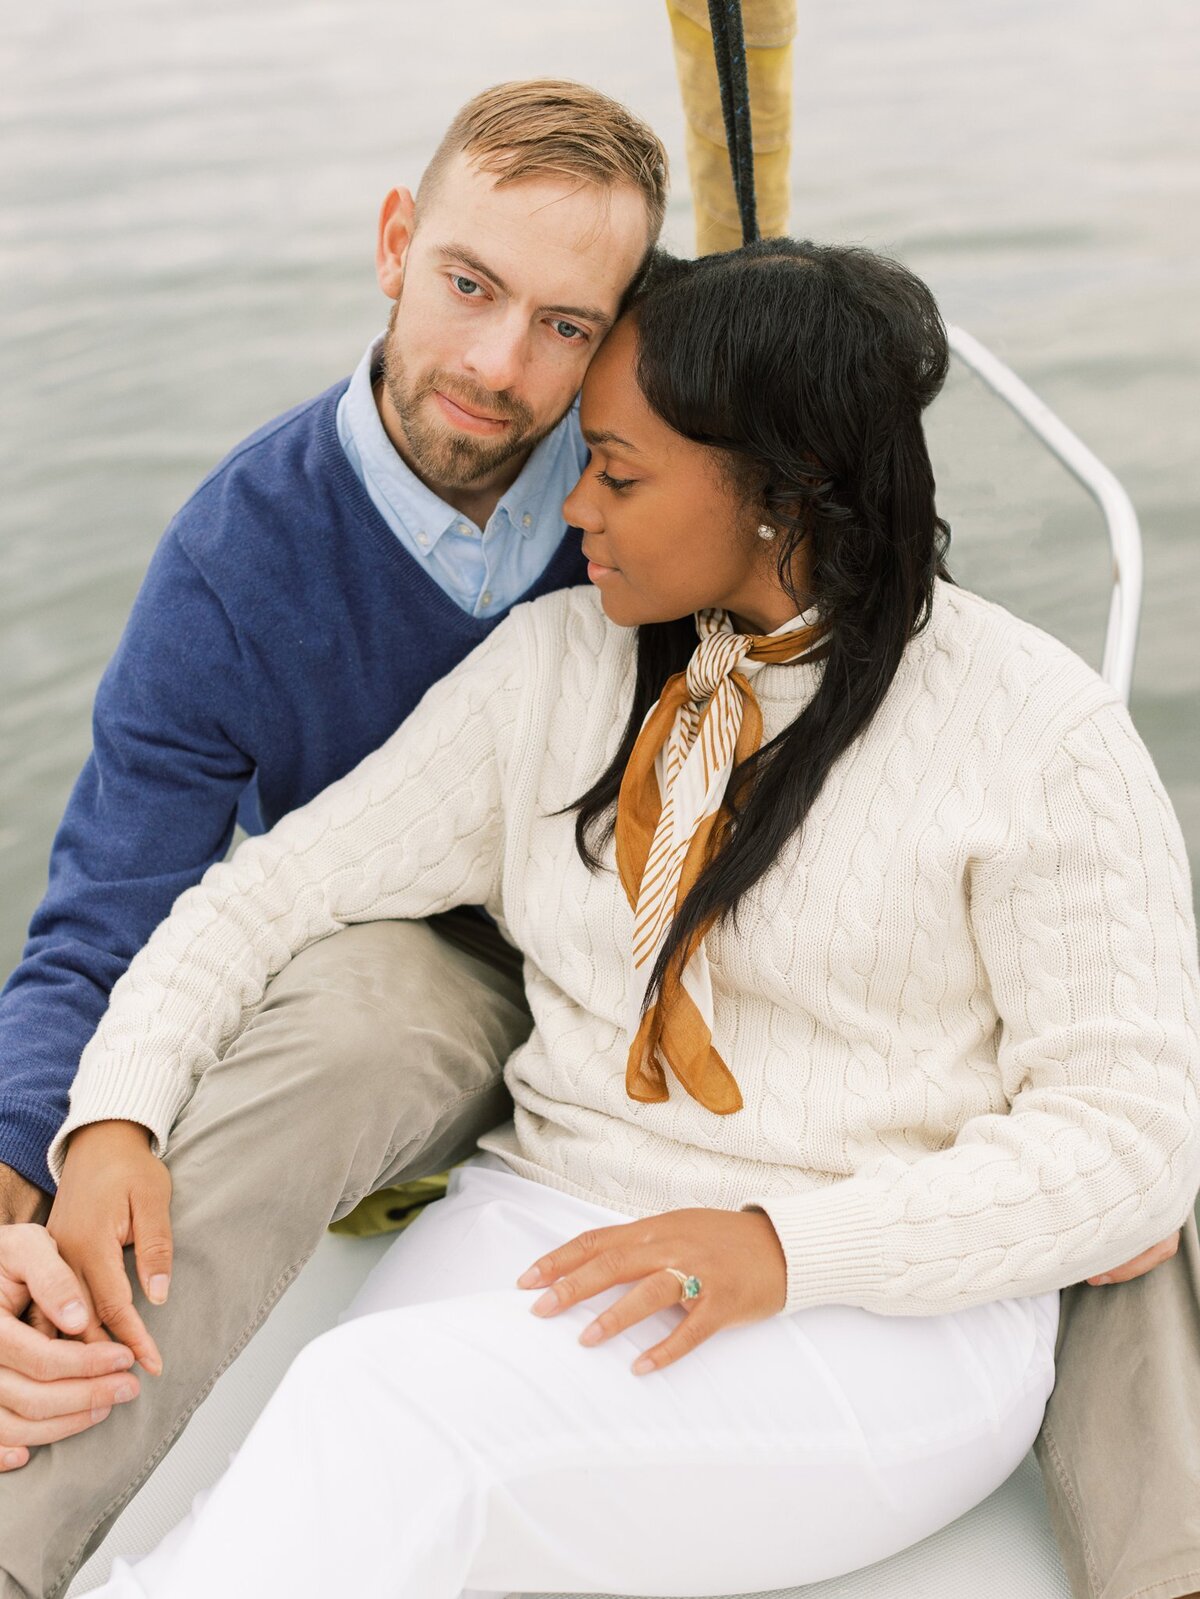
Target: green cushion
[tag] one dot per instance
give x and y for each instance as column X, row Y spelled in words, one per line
column 391, row 1209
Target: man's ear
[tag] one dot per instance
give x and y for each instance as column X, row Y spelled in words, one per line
column 396, row 221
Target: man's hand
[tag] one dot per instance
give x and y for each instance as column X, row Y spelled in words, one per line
column 50, row 1387
column 114, row 1193
column 1140, row 1264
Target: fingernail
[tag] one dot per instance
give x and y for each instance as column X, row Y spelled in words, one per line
column 592, row 1334
column 13, row 1457
column 156, row 1289
column 152, row 1364
column 1099, row 1281
column 530, row 1278
column 75, row 1314
column 121, row 1361
column 642, row 1365
column 547, row 1303
column 123, row 1394
column 100, row 1413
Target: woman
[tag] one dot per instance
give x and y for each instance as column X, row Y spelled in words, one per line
column 860, row 956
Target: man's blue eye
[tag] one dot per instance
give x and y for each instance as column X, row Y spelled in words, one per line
column 569, row 331
column 458, row 281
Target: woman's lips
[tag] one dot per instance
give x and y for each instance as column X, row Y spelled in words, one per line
column 469, row 421
column 597, row 573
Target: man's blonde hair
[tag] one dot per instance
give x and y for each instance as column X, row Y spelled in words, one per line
column 550, row 127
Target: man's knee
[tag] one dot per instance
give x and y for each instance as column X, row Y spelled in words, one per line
column 376, row 1055
column 384, row 1006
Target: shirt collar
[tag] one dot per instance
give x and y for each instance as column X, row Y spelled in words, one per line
column 524, row 501
column 424, row 515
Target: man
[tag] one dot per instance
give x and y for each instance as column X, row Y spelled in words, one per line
column 337, row 563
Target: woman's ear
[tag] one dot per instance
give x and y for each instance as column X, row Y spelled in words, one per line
column 396, row 222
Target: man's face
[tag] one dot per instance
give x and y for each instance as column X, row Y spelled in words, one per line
column 503, row 295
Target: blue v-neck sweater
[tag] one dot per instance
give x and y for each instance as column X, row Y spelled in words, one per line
column 282, row 633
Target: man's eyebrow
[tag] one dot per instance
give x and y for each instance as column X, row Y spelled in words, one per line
column 585, row 313
column 592, row 436
column 455, row 252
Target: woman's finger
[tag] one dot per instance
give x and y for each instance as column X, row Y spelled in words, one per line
column 152, row 1245
column 614, row 1265
column 569, row 1256
column 699, row 1323
column 113, row 1298
column 654, row 1293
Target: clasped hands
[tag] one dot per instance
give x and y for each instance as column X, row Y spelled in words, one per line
column 65, row 1295
column 70, row 1332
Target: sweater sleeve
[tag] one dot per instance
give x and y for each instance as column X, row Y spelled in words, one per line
column 153, row 807
column 415, row 828
column 1083, row 924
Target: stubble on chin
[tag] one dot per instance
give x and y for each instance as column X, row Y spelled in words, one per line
column 439, row 455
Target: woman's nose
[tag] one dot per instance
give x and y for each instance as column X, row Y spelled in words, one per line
column 580, row 510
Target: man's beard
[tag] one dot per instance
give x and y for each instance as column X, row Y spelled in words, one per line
column 439, row 455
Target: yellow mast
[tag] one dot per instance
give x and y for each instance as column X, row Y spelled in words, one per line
column 770, row 26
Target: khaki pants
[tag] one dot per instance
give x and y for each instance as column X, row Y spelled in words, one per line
column 1120, row 1445
column 376, row 1057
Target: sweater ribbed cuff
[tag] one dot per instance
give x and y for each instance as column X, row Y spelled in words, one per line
column 831, row 1243
column 115, row 1088
column 26, row 1128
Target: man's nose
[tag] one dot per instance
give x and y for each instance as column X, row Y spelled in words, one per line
column 497, row 358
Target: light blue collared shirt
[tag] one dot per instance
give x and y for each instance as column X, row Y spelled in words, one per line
column 483, row 570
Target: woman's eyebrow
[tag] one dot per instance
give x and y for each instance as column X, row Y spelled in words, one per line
column 585, row 313
column 592, row 436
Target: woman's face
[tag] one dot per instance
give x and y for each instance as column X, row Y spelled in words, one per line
column 664, row 532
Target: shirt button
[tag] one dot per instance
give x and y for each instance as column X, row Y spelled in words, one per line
column 422, row 539
column 463, row 528
column 486, row 597
column 527, row 520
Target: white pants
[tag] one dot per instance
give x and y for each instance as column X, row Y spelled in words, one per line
column 442, row 1438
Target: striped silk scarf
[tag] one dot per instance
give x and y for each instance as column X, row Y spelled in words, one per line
column 670, row 823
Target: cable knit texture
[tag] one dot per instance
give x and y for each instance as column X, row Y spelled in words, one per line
column 962, row 1009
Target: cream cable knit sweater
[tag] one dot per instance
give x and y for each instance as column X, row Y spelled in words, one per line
column 962, row 1009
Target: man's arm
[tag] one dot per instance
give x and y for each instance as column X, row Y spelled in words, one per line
column 154, row 807
column 21, row 1200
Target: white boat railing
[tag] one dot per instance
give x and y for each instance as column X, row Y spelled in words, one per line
column 1125, row 605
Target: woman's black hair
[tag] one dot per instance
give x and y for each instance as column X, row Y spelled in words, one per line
column 808, row 367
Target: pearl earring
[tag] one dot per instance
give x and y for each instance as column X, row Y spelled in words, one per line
column 765, row 531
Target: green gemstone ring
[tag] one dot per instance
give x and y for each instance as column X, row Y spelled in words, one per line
column 689, row 1287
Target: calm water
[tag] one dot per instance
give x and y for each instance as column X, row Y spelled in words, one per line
column 187, row 204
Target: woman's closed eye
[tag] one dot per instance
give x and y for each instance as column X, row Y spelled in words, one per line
column 617, row 483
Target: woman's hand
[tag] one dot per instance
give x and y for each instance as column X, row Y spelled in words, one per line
column 114, row 1192
column 735, row 1255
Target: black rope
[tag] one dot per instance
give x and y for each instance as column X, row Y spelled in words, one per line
column 729, row 49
